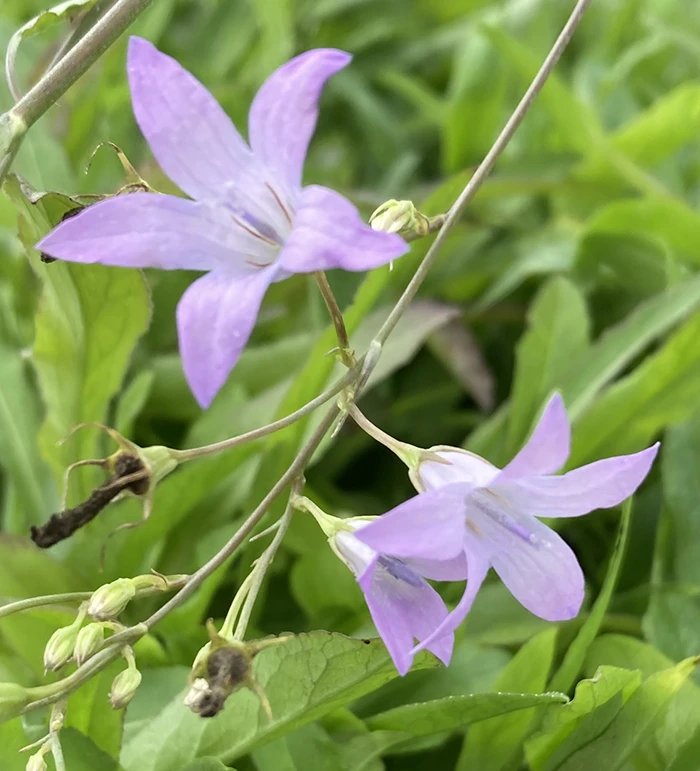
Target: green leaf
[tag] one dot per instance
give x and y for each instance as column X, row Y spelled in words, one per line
column 19, row 452
column 456, row 712
column 683, row 715
column 207, row 764
column 576, row 653
column 82, row 754
column 557, row 334
column 665, row 220
column 604, row 360
column 89, row 320
column 12, row 739
column 304, row 678
column 66, row 11
column 594, row 706
column 132, row 401
column 621, row 344
column 309, row 747
column 492, row 744
column 680, row 463
column 609, row 744
column 663, row 128
column 662, row 390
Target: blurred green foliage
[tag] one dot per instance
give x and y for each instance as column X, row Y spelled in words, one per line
column 575, row 268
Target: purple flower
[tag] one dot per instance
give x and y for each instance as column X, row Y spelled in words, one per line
column 251, row 222
column 403, row 606
column 471, row 508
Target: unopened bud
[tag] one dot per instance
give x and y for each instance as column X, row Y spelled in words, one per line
column 13, row 699
column 109, row 600
column 90, row 640
column 124, row 687
column 400, row 217
column 36, row 762
column 59, row 649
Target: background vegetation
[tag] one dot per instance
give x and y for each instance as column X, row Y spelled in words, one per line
column 575, row 269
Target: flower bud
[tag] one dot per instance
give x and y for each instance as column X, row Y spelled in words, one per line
column 124, row 687
column 109, row 600
column 90, row 640
column 36, row 762
column 13, row 699
column 400, row 217
column 59, row 649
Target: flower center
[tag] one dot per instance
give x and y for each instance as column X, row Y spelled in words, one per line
column 495, row 508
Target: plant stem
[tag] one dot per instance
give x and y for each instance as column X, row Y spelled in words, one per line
column 197, row 452
column 38, row 602
column 403, row 450
column 226, row 630
column 336, row 317
column 264, row 562
column 295, row 469
column 484, row 169
column 57, row 752
column 78, row 60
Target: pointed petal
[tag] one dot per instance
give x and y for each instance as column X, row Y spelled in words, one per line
column 428, row 526
column 548, row 447
column 477, row 570
column 214, row 320
column 328, row 233
column 536, row 565
column 457, row 466
column 404, row 608
column 148, row 230
column 283, row 115
column 598, row 485
column 192, row 138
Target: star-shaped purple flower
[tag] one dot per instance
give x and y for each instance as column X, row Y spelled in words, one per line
column 251, row 222
column 403, row 605
column 472, row 509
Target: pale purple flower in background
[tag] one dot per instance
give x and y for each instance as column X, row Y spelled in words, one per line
column 470, row 508
column 403, row 605
column 251, row 222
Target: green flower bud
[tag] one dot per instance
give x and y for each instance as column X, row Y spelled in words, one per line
column 109, row 600
column 59, row 649
column 90, row 640
column 400, row 217
column 124, row 687
column 13, row 699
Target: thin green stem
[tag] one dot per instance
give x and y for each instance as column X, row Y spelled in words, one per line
column 38, row 602
column 295, row 469
column 262, row 565
column 226, row 630
column 78, row 60
column 405, row 451
column 197, row 452
column 483, row 170
column 336, row 317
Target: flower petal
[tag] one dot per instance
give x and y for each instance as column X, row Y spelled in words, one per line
column 214, row 320
column 192, row 138
column 598, row 485
column 195, row 142
column 548, row 447
column 283, row 115
column 404, row 608
column 328, row 233
column 477, row 570
column 536, row 565
column 428, row 526
column 148, row 230
column 458, row 466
